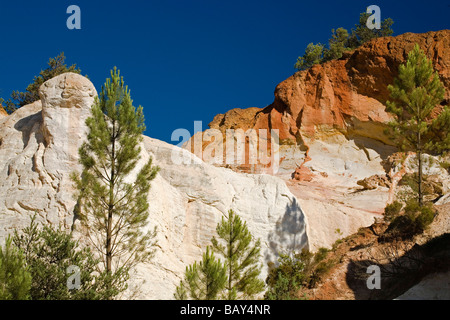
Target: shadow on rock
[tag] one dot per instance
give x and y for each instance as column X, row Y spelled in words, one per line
column 290, row 232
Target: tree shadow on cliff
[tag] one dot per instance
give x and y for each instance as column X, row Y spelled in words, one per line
column 400, row 268
column 365, row 143
column 290, row 232
column 28, row 125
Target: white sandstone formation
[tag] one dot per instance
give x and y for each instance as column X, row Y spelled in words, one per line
column 39, row 150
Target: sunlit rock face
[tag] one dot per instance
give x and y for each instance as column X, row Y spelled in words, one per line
column 39, row 150
column 330, row 121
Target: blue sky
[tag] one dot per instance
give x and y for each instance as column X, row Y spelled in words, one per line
column 186, row 60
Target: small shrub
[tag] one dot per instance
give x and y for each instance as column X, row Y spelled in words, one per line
column 285, row 280
column 296, row 271
column 392, row 210
column 336, row 244
column 413, row 221
column 320, row 255
column 425, row 217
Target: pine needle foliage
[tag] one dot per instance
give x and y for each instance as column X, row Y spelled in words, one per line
column 56, row 66
column 48, row 253
column 112, row 206
column 15, row 279
column 241, row 254
column 415, row 94
column 204, row 280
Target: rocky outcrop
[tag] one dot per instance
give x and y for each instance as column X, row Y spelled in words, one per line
column 374, row 182
column 341, row 101
column 413, row 268
column 39, row 150
column 347, row 94
column 331, row 120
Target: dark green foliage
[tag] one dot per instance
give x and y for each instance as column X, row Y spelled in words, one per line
column 15, row 280
column 416, row 92
column 285, row 280
column 237, row 278
column 56, row 66
column 337, row 44
column 241, row 255
column 313, row 55
column 392, row 210
column 414, row 220
column 316, row 266
column 430, row 187
column 440, row 128
column 342, row 41
column 420, row 215
column 48, row 252
column 362, row 33
column 204, row 280
column 181, row 292
column 114, row 211
column 295, row 271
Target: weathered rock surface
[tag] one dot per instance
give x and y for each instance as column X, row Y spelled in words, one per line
column 346, row 94
column 188, row 201
column 331, row 120
column 39, row 150
column 426, row 256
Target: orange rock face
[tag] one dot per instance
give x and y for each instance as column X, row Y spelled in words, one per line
column 2, row 111
column 346, row 94
column 335, row 102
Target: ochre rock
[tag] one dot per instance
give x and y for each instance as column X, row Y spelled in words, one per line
column 347, row 94
column 331, row 120
column 3, row 113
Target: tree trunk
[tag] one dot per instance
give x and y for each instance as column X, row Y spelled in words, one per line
column 111, row 203
column 419, row 154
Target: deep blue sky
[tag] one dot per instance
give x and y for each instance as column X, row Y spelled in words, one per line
column 186, row 60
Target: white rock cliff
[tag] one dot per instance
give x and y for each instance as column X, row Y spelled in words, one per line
column 39, row 150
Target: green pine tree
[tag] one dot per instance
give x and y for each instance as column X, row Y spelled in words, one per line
column 440, row 128
column 241, row 256
column 361, row 34
column 342, row 41
column 15, row 280
column 313, row 55
column 416, row 92
column 56, row 66
column 49, row 252
column 204, row 280
column 181, row 292
column 337, row 44
column 114, row 211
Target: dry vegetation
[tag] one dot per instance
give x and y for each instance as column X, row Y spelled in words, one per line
column 403, row 262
